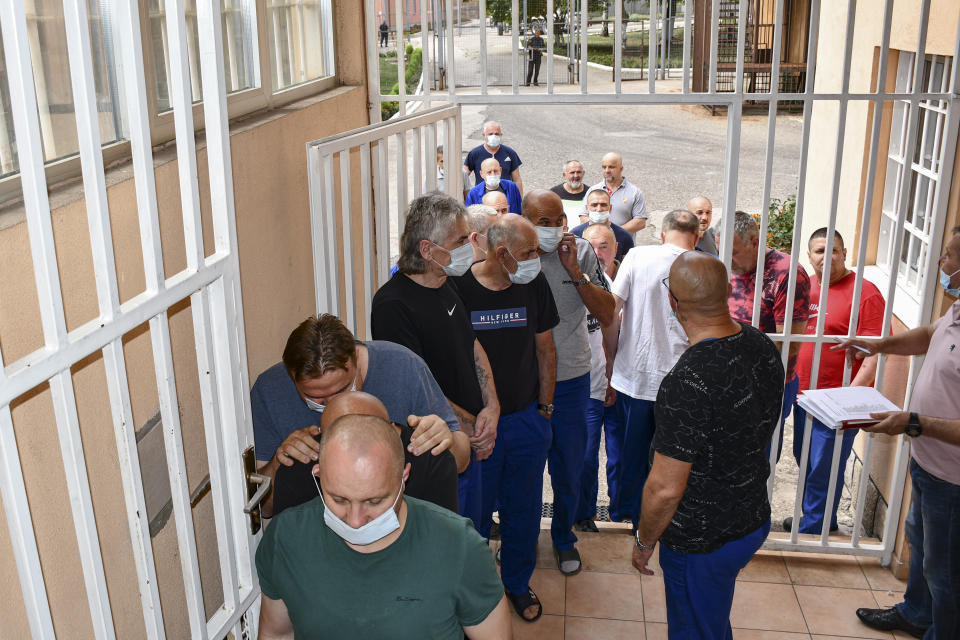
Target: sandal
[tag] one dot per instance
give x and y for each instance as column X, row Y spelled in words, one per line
column 521, row 602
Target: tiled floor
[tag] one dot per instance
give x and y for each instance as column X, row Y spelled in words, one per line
column 780, row 596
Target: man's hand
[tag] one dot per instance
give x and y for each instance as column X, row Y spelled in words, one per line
column 429, row 433
column 640, row 560
column 299, row 445
column 610, row 397
column 567, row 252
column 485, row 431
column 891, row 422
column 858, row 348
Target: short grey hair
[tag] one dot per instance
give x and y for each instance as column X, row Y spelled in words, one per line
column 502, row 235
column 490, row 123
column 681, row 220
column 744, row 226
column 569, row 162
column 480, row 217
column 586, row 196
column 429, row 217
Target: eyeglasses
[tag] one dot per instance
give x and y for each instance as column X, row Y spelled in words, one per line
column 666, row 283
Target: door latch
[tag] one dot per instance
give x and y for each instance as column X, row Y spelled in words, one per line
column 258, row 485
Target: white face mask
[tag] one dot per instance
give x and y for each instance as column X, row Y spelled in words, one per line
column 316, row 406
column 377, row 529
column 549, row 237
column 492, row 181
column 599, row 217
column 527, row 270
column 460, row 259
column 493, row 141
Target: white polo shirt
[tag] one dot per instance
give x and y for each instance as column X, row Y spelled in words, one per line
column 651, row 338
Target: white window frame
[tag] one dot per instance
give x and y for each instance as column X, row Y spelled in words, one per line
column 920, row 239
column 240, row 103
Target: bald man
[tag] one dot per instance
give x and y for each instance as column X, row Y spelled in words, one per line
column 706, row 497
column 366, row 561
column 491, row 180
column 496, row 200
column 701, row 207
column 628, row 207
column 432, row 478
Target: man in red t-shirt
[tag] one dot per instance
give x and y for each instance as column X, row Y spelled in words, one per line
column 830, row 374
column 773, row 297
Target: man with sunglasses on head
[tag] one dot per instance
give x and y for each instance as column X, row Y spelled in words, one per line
column 650, row 343
column 419, row 309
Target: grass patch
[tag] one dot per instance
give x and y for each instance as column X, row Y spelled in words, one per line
column 635, row 52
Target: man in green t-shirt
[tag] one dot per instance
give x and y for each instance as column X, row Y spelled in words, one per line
column 363, row 561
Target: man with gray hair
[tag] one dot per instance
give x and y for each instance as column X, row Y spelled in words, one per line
column 650, row 343
column 773, row 296
column 492, row 147
column 480, row 217
column 342, row 565
column 572, row 189
column 419, row 309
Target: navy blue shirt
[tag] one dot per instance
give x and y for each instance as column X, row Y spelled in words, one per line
column 507, row 157
column 623, row 237
column 398, row 377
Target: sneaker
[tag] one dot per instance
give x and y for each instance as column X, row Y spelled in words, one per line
column 586, row 525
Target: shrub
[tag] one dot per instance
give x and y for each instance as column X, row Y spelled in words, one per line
column 780, row 223
column 409, row 49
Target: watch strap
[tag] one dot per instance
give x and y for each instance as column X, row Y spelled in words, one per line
column 913, row 425
column 582, row 281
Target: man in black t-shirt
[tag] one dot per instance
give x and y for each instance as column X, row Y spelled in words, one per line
column 706, row 496
column 572, row 190
column 419, row 309
column 432, row 478
column 535, row 49
column 513, row 314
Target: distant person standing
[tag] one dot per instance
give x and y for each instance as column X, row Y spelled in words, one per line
column 535, row 49
column 492, row 147
column 572, row 190
column 701, row 207
column 628, row 208
column 384, row 32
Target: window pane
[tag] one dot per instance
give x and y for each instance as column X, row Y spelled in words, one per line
column 300, row 32
column 237, row 50
column 51, row 76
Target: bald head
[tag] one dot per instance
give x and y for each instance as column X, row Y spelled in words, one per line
column 490, row 166
column 701, row 207
column 352, row 403
column 513, row 232
column 497, row 200
column 543, row 208
column 612, row 168
column 604, row 243
column 700, row 283
column 361, row 448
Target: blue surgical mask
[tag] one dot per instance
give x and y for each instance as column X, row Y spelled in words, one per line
column 460, row 259
column 377, row 529
column 945, row 283
column 527, row 270
column 549, row 237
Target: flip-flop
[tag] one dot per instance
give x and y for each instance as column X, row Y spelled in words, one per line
column 521, row 602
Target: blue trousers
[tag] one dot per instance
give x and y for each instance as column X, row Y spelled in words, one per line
column 790, row 391
column 815, row 488
column 513, row 477
column 606, row 419
column 566, row 455
column 932, row 598
column 639, row 426
column 699, row 587
column 469, row 492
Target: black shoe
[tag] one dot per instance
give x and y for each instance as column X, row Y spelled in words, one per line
column 586, row 525
column 888, row 620
column 788, row 525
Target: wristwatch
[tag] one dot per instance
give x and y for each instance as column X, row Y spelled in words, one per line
column 582, row 281
column 546, row 408
column 913, row 426
column 641, row 545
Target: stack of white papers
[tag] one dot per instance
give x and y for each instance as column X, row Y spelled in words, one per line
column 845, row 407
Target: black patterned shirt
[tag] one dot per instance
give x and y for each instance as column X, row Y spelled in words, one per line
column 717, row 409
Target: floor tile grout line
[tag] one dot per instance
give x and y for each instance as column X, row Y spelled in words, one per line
column 796, row 596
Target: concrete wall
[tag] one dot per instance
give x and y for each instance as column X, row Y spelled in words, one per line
column 855, row 157
column 270, row 190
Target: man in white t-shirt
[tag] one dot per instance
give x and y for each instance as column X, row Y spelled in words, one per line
column 651, row 341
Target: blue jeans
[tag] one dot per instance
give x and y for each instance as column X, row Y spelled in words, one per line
column 700, row 586
column 469, row 489
column 815, row 487
column 607, row 419
column 932, row 598
column 566, row 455
column 513, row 477
column 639, row 427
column 790, row 391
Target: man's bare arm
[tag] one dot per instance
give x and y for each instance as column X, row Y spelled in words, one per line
column 661, row 495
column 495, row 626
column 895, row 422
column 633, row 225
column 275, row 621
column 517, row 180
column 547, row 365
column 796, row 328
column 910, row 343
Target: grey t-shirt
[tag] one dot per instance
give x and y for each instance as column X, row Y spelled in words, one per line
column 570, row 337
column 708, row 242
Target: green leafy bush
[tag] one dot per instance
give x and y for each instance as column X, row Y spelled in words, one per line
column 409, row 49
column 780, row 223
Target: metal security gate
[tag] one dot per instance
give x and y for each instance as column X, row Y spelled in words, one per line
column 209, row 284
column 916, row 170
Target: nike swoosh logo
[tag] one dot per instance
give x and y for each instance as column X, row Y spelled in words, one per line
column 450, row 311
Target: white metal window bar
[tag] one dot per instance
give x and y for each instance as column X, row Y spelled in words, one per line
column 927, row 119
column 212, row 284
